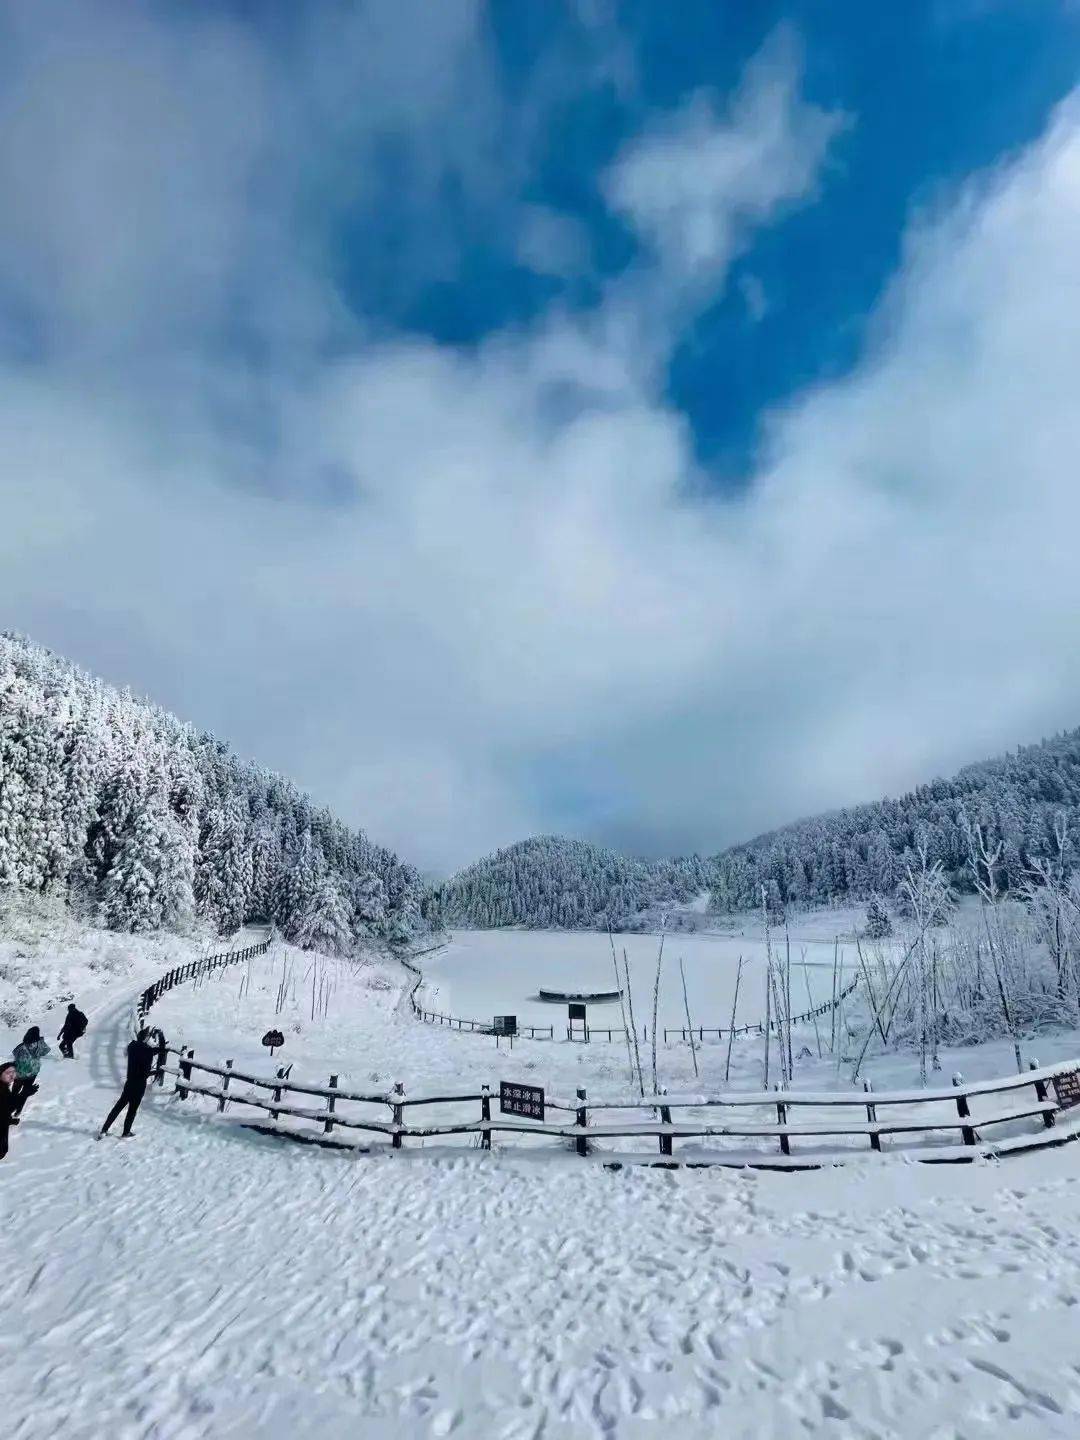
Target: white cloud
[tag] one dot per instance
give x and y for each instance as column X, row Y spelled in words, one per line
column 448, row 589
column 552, row 244
column 698, row 184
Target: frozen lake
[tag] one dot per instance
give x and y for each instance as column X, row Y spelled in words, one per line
column 484, row 973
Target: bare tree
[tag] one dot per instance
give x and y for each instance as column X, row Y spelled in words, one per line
column 983, row 861
column 928, row 897
column 1052, row 902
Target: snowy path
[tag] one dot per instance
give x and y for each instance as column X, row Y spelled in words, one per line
column 204, row 1281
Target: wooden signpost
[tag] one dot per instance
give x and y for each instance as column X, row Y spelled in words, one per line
column 505, row 1025
column 272, row 1039
column 576, row 1012
column 524, row 1100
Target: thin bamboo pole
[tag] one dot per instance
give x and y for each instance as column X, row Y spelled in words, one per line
column 656, row 1006
column 731, row 1032
column 633, row 1024
column 689, row 1022
column 622, row 1004
column 810, row 1002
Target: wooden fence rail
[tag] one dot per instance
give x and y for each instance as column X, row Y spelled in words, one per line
column 608, row 1032
column 838, row 1114
column 193, row 970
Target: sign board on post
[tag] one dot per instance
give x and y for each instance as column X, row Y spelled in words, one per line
column 273, row 1038
column 505, row 1025
column 1067, row 1089
column 524, row 1100
column 576, row 1015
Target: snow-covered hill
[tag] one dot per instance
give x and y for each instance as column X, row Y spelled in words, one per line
column 551, row 882
column 1020, row 800
column 145, row 824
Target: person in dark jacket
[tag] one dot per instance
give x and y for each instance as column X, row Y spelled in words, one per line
column 28, row 1057
column 140, row 1063
column 73, row 1028
column 8, row 1116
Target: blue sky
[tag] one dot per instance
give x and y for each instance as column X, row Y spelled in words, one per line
column 935, row 92
column 649, row 422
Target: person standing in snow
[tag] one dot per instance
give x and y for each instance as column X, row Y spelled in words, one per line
column 140, row 1062
column 28, row 1057
column 73, row 1028
column 7, row 1104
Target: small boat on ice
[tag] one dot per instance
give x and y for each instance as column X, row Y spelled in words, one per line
column 577, row 997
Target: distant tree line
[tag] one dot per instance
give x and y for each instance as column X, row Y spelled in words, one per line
column 143, row 823
column 1019, row 801
column 552, row 883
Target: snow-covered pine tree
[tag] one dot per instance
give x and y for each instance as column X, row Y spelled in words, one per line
column 324, row 923
column 878, row 924
column 131, row 897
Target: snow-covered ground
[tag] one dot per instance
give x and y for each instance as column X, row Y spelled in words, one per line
column 206, row 1281
column 47, row 958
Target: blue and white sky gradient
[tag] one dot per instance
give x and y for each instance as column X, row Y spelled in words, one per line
column 640, row 421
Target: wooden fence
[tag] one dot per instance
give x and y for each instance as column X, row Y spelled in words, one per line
column 910, row 1122
column 193, row 970
column 608, row 1032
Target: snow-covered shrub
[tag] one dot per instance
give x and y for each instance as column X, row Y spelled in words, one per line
column 878, row 923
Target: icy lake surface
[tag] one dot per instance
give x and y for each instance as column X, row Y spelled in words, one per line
column 484, row 973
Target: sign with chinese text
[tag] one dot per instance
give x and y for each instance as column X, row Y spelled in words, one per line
column 524, row 1100
column 1067, row 1089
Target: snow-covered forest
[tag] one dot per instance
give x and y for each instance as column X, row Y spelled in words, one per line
column 550, row 883
column 143, row 823
column 1016, row 802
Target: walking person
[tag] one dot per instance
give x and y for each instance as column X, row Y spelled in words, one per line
column 7, row 1104
column 140, row 1062
column 73, row 1028
column 28, row 1055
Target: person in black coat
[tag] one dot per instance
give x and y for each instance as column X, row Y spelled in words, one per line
column 8, row 1116
column 73, row 1028
column 140, row 1063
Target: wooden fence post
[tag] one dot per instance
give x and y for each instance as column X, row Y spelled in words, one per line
column 223, row 1100
column 485, row 1114
column 665, row 1118
column 399, row 1095
column 967, row 1131
column 331, row 1100
column 1040, row 1091
column 185, row 1070
column 582, row 1121
column 871, row 1115
column 781, row 1116
column 277, row 1092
